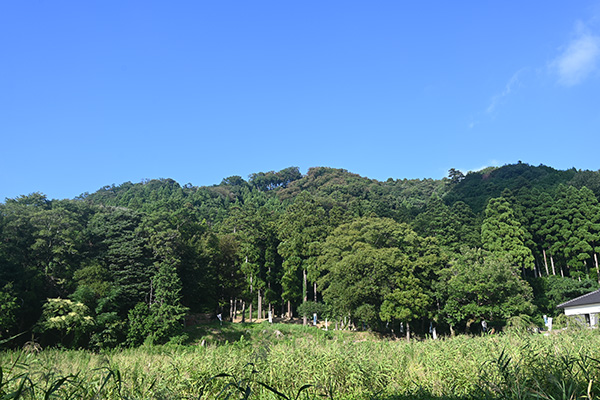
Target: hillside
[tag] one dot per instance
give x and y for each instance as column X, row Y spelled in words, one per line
column 129, row 263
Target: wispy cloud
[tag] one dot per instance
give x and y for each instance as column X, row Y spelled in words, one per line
column 580, row 57
column 490, row 163
column 578, row 60
column 508, row 89
column 513, row 83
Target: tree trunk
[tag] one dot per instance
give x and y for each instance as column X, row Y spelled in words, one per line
column 407, row 332
column 305, row 298
column 545, row 262
column 597, row 268
column 259, row 306
column 552, row 262
column 243, row 311
column 315, row 289
column 562, row 274
column 451, row 330
column 289, row 310
column 250, row 305
column 230, row 310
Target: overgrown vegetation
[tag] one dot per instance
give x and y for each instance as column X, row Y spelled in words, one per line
column 290, row 361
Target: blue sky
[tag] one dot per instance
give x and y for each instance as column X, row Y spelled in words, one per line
column 100, row 92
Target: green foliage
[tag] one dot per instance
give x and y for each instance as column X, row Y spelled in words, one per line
column 502, row 234
column 373, row 266
column 124, row 253
column 110, row 330
column 307, row 363
column 309, row 308
column 330, row 236
column 66, row 317
column 453, row 227
column 8, row 310
column 271, row 180
column 483, row 286
column 140, row 324
column 550, row 291
column 477, row 188
column 455, row 175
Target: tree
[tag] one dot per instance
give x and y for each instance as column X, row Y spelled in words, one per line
column 302, row 228
column 8, row 310
column 254, row 225
column 481, row 285
column 571, row 230
column 375, row 270
column 502, row 234
column 455, row 175
column 41, row 247
column 122, row 249
column 550, row 291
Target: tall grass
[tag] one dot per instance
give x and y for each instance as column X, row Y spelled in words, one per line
column 287, row 362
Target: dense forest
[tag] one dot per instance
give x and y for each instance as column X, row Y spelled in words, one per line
column 135, row 263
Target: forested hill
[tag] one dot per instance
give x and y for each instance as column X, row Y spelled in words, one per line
column 129, row 263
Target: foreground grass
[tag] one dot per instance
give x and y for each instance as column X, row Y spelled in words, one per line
column 282, row 361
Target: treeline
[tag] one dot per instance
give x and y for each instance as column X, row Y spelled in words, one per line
column 131, row 263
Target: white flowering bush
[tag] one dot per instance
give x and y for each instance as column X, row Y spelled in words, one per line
column 69, row 318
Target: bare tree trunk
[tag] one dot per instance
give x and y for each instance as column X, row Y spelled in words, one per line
column 230, row 310
column 305, row 298
column 250, row 305
column 545, row 262
column 289, row 310
column 552, row 262
column 235, row 302
column 561, row 272
column 259, row 307
column 597, row 268
column 407, row 332
column 315, row 290
column 452, row 333
column 243, row 311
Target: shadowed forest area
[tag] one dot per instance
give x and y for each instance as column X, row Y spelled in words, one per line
column 138, row 262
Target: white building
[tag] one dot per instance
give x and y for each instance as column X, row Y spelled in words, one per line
column 588, row 306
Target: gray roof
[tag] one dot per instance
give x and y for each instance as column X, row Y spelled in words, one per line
column 586, row 299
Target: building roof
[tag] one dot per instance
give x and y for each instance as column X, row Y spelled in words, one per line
column 586, row 299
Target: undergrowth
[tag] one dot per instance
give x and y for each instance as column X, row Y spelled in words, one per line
column 283, row 362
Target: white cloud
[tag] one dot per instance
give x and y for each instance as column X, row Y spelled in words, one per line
column 508, row 89
column 472, row 123
column 579, row 59
column 490, row 163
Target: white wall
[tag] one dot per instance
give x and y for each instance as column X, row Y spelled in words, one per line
column 587, row 309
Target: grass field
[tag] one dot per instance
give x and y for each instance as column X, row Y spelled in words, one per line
column 262, row 361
